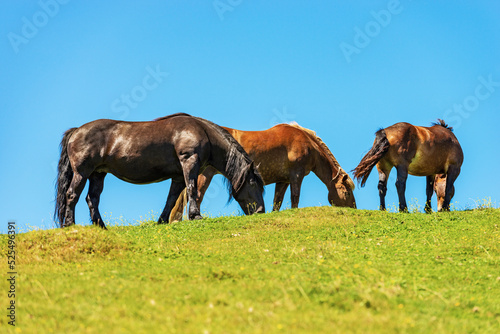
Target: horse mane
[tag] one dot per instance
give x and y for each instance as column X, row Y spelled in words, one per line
column 443, row 124
column 237, row 160
column 312, row 134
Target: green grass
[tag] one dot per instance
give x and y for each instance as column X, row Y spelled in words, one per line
column 312, row 270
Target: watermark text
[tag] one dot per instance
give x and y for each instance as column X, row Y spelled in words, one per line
column 281, row 116
column 32, row 25
column 460, row 111
column 131, row 100
column 223, row 6
column 11, row 274
column 364, row 36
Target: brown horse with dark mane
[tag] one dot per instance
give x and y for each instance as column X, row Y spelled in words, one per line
column 421, row 151
column 178, row 146
column 285, row 154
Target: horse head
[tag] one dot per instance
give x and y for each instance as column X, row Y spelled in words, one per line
column 248, row 191
column 440, row 189
column 340, row 193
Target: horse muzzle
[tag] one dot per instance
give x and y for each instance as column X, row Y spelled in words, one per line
column 260, row 209
column 256, row 209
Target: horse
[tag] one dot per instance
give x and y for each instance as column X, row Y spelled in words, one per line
column 179, row 146
column 285, row 154
column 433, row 152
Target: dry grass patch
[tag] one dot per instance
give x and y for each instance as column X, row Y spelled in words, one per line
column 74, row 244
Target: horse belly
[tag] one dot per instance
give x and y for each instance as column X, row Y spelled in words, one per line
column 422, row 165
column 272, row 168
column 143, row 166
column 143, row 173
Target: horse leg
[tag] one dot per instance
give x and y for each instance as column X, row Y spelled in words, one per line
column 204, row 180
column 72, row 195
column 401, row 186
column 279, row 194
column 295, row 184
column 451, row 176
column 178, row 209
column 175, row 190
column 96, row 184
column 191, row 169
column 383, row 176
column 429, row 190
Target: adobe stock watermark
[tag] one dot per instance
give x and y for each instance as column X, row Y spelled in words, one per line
column 11, row 273
column 31, row 26
column 223, row 6
column 364, row 36
column 281, row 116
column 460, row 111
column 138, row 93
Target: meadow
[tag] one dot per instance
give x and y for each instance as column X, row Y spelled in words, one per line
column 311, row 270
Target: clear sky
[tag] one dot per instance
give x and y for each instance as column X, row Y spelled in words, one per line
column 341, row 68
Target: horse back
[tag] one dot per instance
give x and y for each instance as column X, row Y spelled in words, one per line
column 282, row 138
column 276, row 150
column 138, row 152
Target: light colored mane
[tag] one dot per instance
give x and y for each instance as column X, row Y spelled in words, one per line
column 326, row 151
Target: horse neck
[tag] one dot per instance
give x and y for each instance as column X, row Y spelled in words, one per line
column 223, row 151
column 326, row 166
column 325, row 169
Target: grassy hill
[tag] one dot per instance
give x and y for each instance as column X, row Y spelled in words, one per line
column 312, row 270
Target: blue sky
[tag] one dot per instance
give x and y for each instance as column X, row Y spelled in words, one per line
column 341, row 68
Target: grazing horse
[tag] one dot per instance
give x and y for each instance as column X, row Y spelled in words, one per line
column 178, row 146
column 422, row 151
column 440, row 189
column 285, row 154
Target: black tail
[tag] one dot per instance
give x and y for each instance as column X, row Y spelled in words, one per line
column 64, row 177
column 378, row 150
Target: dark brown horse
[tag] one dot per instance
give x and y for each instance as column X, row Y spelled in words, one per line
column 415, row 150
column 178, row 146
column 285, row 154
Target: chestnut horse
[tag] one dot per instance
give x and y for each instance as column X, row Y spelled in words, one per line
column 415, row 150
column 285, row 154
column 440, row 189
column 178, row 146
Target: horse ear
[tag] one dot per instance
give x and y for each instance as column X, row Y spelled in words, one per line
column 346, row 179
column 247, row 169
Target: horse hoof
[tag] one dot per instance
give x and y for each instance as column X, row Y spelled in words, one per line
column 101, row 224
column 197, row 217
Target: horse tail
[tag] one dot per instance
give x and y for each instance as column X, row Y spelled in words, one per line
column 378, row 150
column 178, row 210
column 64, row 177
